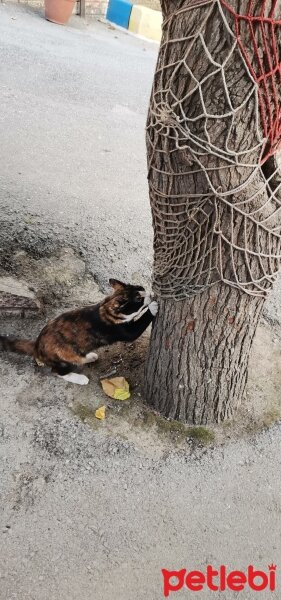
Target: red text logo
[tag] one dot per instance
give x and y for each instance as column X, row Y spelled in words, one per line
column 219, row 580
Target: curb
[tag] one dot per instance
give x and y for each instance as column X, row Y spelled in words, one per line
column 136, row 18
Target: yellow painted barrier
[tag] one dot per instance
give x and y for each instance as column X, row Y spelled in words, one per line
column 146, row 22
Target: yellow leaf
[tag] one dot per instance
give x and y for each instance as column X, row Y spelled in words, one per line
column 100, row 413
column 116, row 388
column 121, row 394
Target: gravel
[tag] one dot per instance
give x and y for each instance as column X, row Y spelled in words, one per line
column 87, row 512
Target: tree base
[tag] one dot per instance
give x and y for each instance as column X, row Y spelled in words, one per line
column 197, row 365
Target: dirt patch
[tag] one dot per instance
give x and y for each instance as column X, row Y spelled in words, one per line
column 63, row 281
column 60, row 279
column 28, row 486
column 135, row 421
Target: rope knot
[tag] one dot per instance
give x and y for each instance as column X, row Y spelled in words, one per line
column 166, row 115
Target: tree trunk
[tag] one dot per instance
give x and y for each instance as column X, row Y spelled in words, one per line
column 198, row 360
column 197, row 365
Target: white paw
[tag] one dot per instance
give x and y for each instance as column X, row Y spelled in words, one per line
column 91, row 357
column 39, row 363
column 153, row 307
column 76, row 378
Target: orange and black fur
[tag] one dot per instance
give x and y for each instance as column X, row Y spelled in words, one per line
column 71, row 340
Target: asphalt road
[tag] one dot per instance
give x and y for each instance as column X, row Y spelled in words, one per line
column 89, row 514
column 72, row 128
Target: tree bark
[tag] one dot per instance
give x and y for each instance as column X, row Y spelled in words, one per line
column 197, row 365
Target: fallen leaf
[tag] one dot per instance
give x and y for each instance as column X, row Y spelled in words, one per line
column 116, row 388
column 121, row 394
column 100, row 413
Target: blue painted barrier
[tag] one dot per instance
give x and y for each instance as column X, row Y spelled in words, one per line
column 119, row 12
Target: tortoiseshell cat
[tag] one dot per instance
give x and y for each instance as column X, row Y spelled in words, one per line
column 71, row 339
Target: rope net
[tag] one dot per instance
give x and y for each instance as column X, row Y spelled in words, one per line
column 213, row 136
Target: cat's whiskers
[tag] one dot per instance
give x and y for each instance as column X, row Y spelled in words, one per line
column 141, row 313
column 136, row 315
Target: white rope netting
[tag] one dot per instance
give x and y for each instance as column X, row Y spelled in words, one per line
column 213, row 133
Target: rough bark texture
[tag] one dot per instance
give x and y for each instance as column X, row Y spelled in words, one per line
column 197, row 365
column 198, row 361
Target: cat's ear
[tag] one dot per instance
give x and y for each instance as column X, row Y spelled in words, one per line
column 117, row 285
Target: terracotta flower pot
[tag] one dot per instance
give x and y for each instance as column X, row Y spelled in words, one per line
column 58, row 11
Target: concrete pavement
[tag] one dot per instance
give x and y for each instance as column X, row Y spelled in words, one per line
column 91, row 510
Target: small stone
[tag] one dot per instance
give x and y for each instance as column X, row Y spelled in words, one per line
column 16, row 296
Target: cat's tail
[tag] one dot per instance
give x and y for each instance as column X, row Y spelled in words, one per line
column 14, row 345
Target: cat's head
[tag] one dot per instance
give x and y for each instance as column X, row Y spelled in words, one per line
column 128, row 299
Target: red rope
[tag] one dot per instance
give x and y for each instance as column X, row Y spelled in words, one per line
column 265, row 69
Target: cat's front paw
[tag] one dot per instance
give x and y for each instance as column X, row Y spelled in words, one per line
column 153, row 307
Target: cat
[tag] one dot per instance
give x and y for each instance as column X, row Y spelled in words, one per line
column 71, row 340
